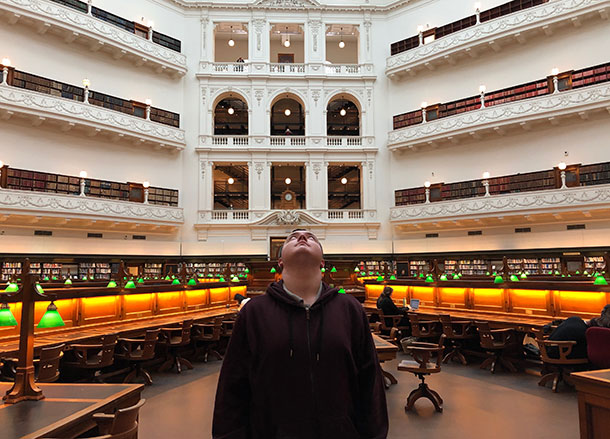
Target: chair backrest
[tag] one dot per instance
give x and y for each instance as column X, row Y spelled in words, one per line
column 487, row 339
column 150, row 341
column 425, row 329
column 598, row 347
column 186, row 331
column 108, row 345
column 125, row 419
column 447, row 327
column 48, row 369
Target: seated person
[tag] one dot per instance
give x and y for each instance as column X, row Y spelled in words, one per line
column 389, row 308
column 571, row 329
column 603, row 320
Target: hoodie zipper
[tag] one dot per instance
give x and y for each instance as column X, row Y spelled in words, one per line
column 311, row 377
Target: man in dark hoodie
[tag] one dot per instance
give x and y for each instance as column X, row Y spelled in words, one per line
column 301, row 363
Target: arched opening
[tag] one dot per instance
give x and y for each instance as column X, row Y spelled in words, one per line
column 287, row 117
column 342, row 117
column 231, row 116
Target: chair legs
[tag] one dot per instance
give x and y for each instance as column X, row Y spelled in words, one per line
column 496, row 358
column 388, row 379
column 138, row 371
column 455, row 353
column 555, row 375
column 423, row 391
column 174, row 359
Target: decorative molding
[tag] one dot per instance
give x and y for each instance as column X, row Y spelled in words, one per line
column 98, row 119
column 522, row 203
column 287, row 143
column 285, row 70
column 314, row 27
column 79, row 25
column 282, row 217
column 518, row 112
column 71, row 206
column 488, row 33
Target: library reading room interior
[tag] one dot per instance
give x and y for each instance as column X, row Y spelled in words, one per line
column 176, row 174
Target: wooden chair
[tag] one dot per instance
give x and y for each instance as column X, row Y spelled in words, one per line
column 172, row 340
column 557, row 369
column 421, row 366
column 389, row 327
column 457, row 331
column 135, row 351
column 91, row 358
column 426, row 329
column 206, row 337
column 46, row 367
column 495, row 342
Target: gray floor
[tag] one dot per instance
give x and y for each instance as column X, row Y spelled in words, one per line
column 477, row 405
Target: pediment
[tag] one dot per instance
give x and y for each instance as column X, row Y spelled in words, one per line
column 289, row 217
column 287, row 4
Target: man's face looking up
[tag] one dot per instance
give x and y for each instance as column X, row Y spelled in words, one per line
column 301, row 248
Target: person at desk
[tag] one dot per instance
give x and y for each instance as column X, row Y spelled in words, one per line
column 301, row 362
column 603, row 320
column 389, row 308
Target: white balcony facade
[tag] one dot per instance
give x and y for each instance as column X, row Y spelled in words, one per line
column 66, row 115
column 493, row 34
column 76, row 26
column 583, row 203
column 498, row 118
column 266, row 69
column 40, row 209
column 300, row 143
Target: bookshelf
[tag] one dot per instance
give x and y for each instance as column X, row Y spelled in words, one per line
column 473, row 267
column 550, row 264
column 99, row 270
column 74, row 4
column 404, row 45
column 517, row 93
column 451, row 266
column 590, row 75
column 407, row 119
column 594, row 263
column 590, row 175
column 46, row 86
column 509, row 8
column 10, row 269
column 418, row 266
column 51, row 269
column 153, row 269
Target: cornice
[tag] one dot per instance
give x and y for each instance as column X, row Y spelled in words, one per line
column 490, row 32
column 96, row 119
column 544, row 107
column 293, row 5
column 121, row 42
column 522, row 203
column 71, row 206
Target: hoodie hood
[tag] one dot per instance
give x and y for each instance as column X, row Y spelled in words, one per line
column 277, row 292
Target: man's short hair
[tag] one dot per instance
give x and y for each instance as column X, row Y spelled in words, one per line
column 279, row 253
column 387, row 291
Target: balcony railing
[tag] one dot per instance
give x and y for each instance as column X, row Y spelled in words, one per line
column 290, row 142
column 263, row 216
column 290, row 69
column 78, row 20
column 286, row 68
column 512, row 21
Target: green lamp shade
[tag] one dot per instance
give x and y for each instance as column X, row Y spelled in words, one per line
column 140, row 281
column 130, row 285
column 273, row 270
column 523, row 276
column 550, row 271
column 356, row 270
column 600, row 280
column 577, row 272
column 333, row 270
column 487, row 274
column 323, row 270
column 192, row 282
column 341, row 291
column 392, row 277
column 379, row 278
column 498, row 280
column 429, row 278
column 46, row 278
column 557, row 272
column 11, row 288
column 54, row 278
column 39, row 289
column 371, row 273
column 247, row 270
column 84, row 277
column 68, row 282
column 443, row 276
column 514, row 278
column 421, row 275
column 167, row 277
column 210, row 275
column 6, row 316
column 51, row 318
column 235, row 279
column 222, row 279
column 176, row 281
column 456, row 277
column 111, row 284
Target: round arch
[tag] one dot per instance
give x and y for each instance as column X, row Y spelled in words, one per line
column 287, row 115
column 343, row 115
column 230, row 114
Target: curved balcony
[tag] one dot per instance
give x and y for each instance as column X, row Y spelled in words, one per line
column 299, row 143
column 68, row 114
column 493, row 34
column 497, row 118
column 76, row 26
column 279, row 70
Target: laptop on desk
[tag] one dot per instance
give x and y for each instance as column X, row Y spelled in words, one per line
column 414, row 304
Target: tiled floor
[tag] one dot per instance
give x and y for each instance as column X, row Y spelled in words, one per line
column 477, row 405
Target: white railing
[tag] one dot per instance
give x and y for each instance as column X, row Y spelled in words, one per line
column 343, row 69
column 232, row 67
column 230, row 140
column 307, row 142
column 344, row 141
column 286, row 68
column 287, row 216
column 266, row 68
column 287, row 140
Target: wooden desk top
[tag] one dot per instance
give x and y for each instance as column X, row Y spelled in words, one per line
column 64, row 406
column 385, row 350
column 597, row 377
column 80, row 334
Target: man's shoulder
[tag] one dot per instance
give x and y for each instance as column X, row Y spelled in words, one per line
column 349, row 301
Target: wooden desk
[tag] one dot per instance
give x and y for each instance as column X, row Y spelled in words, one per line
column 66, row 411
column 126, row 328
column 386, row 351
column 593, row 403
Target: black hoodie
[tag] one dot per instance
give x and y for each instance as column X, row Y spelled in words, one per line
column 296, row 373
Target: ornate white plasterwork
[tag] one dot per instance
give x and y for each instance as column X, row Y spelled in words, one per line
column 493, row 30
column 543, row 107
column 287, row 143
column 17, row 100
column 522, row 203
column 85, row 25
column 71, row 206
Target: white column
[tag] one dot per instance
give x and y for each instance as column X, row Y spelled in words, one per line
column 315, row 44
column 259, row 184
column 366, row 42
column 367, row 177
column 206, row 48
column 258, row 41
column 206, row 184
column 316, row 184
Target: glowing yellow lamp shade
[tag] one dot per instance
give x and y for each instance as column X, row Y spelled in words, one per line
column 6, row 316
column 51, row 318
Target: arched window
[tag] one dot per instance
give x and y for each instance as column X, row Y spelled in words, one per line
column 231, row 117
column 287, row 118
column 342, row 118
